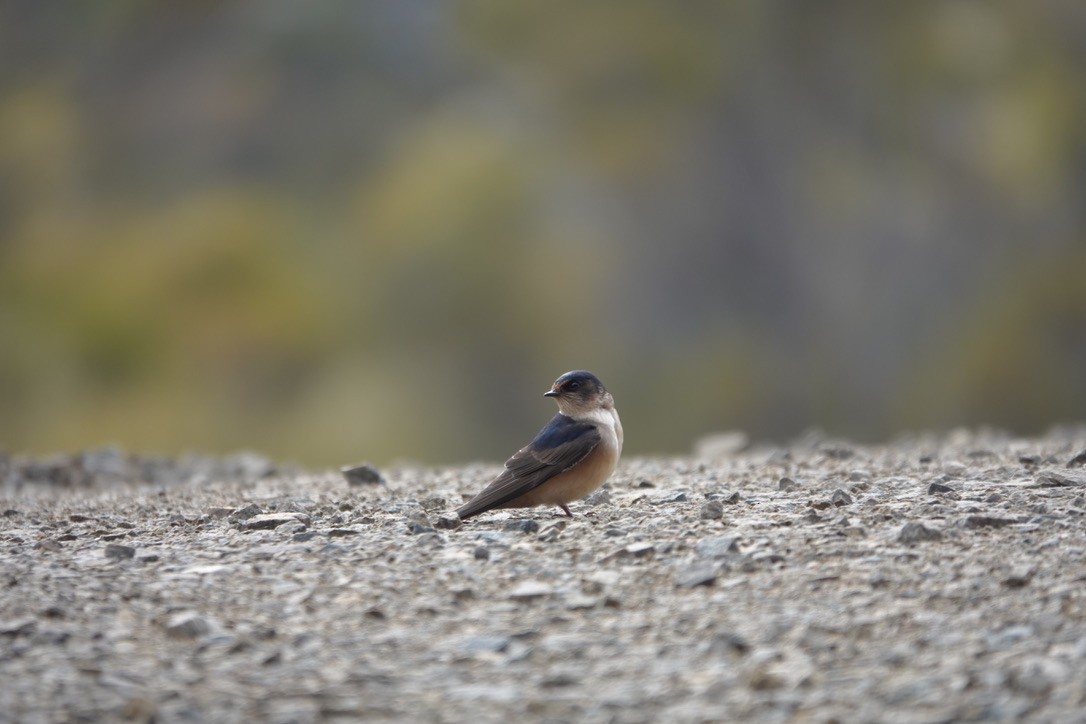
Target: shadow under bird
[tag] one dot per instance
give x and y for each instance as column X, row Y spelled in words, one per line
column 570, row 457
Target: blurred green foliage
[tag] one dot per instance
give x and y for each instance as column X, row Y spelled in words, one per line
column 341, row 231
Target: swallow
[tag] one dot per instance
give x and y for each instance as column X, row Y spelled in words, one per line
column 570, row 457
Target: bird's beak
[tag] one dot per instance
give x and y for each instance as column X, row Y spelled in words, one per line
column 551, row 393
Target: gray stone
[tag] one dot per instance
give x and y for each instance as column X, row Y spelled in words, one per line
column 268, row 521
column 448, row 521
column 917, row 533
column 529, row 590
column 479, row 644
column 246, row 512
column 119, row 552
column 840, row 498
column 522, row 525
column 986, row 521
column 363, row 474
column 718, row 546
column 188, row 625
column 939, row 488
column 712, row 510
column 1055, row 479
column 698, row 574
column 787, row 485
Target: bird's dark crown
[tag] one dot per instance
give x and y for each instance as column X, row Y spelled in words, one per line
column 577, row 384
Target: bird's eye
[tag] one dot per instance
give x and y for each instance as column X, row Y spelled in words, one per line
column 571, row 386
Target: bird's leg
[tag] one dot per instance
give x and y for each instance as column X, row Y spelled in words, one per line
column 565, row 508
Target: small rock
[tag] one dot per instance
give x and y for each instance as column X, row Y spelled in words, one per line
column 787, row 485
column 481, row 553
column 522, row 525
column 553, row 531
column 188, row 625
column 916, row 533
column 448, row 521
column 1029, row 460
column 529, row 590
column 481, row 644
column 640, row 550
column 415, row 528
column 665, row 498
column 937, row 488
column 712, row 510
column 1078, row 460
column 18, row 627
column 434, row 502
column 1053, row 479
column 246, row 512
column 268, row 521
column 119, row 552
column 304, row 536
column 717, row 547
column 812, row 516
column 699, row 574
column 840, row 498
column 344, row 532
column 219, row 512
column 986, row 521
column 1018, row 578
column 600, row 497
column 614, row 533
column 364, row 474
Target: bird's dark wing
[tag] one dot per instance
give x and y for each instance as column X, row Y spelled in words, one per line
column 560, row 445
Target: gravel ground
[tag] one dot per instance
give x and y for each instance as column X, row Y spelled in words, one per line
column 932, row 579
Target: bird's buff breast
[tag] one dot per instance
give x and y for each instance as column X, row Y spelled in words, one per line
column 585, row 476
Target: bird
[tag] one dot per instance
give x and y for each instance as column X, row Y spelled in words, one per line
column 571, row 456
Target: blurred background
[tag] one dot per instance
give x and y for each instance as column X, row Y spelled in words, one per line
column 340, row 231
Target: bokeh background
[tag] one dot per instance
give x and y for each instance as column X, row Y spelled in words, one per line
column 339, row 231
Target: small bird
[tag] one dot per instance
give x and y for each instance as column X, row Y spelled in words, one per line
column 570, row 457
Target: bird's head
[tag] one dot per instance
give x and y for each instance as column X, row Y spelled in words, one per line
column 578, row 392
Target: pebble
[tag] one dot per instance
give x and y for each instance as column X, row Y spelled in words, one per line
column 246, row 512
column 787, row 485
column 938, row 488
column 119, row 552
column 522, row 525
column 1054, row 479
column 364, row 474
column 267, row 521
column 840, row 498
column 188, row 625
column 712, row 510
column 699, row 574
column 529, row 590
column 917, row 533
column 448, row 521
column 479, row 644
column 986, row 521
column 718, row 546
